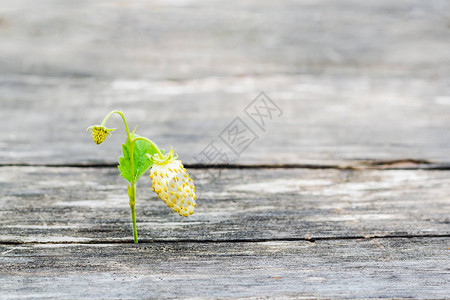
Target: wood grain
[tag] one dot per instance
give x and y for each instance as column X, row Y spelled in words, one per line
column 355, row 81
column 193, row 39
column 369, row 268
column 346, row 194
column 328, row 120
column 40, row 204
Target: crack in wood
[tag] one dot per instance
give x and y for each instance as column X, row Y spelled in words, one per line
column 209, row 241
column 398, row 164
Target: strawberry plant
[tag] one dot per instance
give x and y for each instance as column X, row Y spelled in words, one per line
column 170, row 180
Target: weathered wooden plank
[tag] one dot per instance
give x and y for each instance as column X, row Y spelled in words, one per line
column 371, row 268
column 355, row 81
column 325, row 120
column 88, row 204
column 192, row 39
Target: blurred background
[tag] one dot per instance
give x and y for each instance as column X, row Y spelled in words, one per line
column 355, row 80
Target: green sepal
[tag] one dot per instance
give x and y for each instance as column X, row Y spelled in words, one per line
column 141, row 162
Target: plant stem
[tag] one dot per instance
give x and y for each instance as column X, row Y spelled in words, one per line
column 133, row 214
column 133, row 183
column 131, row 140
column 123, row 118
column 133, row 187
column 151, row 143
column 132, row 193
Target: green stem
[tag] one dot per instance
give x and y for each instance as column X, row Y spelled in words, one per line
column 133, row 214
column 151, row 143
column 123, row 118
column 132, row 193
column 133, row 186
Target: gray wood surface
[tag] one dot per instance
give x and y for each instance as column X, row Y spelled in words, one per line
column 197, row 39
column 390, row 268
column 326, row 120
column 355, row 81
column 345, row 195
column 90, row 205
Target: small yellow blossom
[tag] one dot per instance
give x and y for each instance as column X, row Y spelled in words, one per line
column 99, row 133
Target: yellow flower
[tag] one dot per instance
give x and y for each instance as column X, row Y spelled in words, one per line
column 99, row 133
column 173, row 185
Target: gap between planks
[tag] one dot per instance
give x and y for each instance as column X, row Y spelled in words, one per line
column 398, row 164
column 209, row 241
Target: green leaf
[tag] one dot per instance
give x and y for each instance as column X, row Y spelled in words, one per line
column 141, row 163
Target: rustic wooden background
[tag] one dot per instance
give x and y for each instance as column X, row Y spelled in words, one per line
column 346, row 194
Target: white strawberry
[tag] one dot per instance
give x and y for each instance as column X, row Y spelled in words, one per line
column 173, row 185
